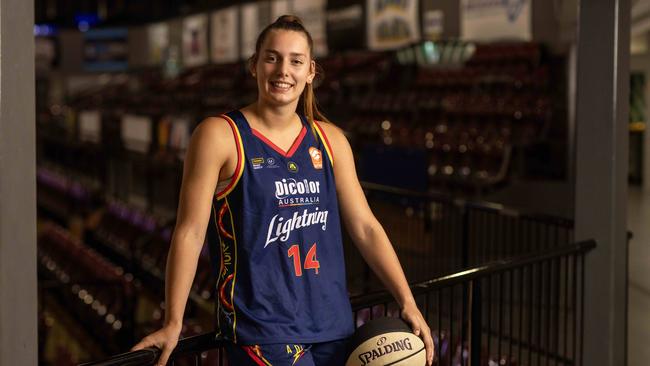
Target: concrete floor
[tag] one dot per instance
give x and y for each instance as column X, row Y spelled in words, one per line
column 639, row 278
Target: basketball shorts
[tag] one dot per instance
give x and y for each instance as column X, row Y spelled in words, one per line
column 332, row 353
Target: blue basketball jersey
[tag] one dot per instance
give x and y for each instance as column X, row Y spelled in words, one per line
column 276, row 243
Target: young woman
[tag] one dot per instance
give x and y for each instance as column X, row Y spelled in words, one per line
column 267, row 185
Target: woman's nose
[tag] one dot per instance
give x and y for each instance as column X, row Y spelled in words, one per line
column 283, row 68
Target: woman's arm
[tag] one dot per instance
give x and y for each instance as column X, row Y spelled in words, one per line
column 369, row 236
column 209, row 155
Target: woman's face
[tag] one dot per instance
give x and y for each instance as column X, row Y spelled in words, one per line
column 283, row 67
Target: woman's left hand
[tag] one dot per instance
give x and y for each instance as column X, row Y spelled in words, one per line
column 412, row 315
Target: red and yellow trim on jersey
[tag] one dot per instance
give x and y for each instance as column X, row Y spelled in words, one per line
column 294, row 145
column 219, row 223
column 239, row 169
column 227, row 273
column 255, row 353
column 298, row 355
column 234, row 279
column 221, row 266
column 326, row 143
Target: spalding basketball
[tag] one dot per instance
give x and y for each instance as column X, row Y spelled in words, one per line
column 386, row 341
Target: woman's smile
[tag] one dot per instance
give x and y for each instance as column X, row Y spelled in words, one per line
column 281, row 86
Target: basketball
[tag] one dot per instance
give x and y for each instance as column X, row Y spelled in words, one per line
column 386, row 341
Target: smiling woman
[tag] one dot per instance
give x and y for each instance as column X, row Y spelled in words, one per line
column 287, row 68
column 285, row 303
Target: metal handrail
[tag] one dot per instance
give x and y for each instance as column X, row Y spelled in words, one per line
column 470, row 274
column 208, row 341
column 195, row 344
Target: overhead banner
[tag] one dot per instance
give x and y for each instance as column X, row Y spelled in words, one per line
column 432, row 24
column 158, row 39
column 392, row 24
column 250, row 28
column 279, row 8
column 488, row 20
column 224, row 46
column 346, row 27
column 195, row 40
column 313, row 15
column 106, row 49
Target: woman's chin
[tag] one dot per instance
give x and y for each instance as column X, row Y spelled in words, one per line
column 278, row 100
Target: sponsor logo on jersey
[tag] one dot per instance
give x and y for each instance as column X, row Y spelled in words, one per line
column 280, row 227
column 271, row 163
column 289, row 187
column 316, row 158
column 257, row 163
column 292, row 192
column 292, row 166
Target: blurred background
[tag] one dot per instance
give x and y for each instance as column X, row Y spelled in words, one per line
column 450, row 106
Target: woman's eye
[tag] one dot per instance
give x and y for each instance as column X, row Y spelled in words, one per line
column 270, row 58
column 297, row 62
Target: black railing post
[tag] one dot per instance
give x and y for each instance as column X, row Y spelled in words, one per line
column 130, row 316
column 464, row 259
column 464, row 234
column 475, row 323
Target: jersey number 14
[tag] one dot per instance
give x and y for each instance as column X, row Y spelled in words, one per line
column 310, row 260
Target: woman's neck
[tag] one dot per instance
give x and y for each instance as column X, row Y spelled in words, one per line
column 270, row 117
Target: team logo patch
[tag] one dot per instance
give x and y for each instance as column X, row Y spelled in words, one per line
column 271, row 163
column 257, row 163
column 292, row 166
column 316, row 158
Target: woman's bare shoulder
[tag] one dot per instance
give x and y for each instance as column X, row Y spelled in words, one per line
column 213, row 136
column 214, row 125
column 334, row 134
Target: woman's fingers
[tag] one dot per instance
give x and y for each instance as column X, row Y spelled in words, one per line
column 420, row 329
column 164, row 356
column 428, row 344
column 164, row 339
column 144, row 343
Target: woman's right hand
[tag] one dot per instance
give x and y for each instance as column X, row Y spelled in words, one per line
column 164, row 339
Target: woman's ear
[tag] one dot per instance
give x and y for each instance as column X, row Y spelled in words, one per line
column 312, row 72
column 251, row 65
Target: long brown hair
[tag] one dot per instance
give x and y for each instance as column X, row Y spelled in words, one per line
column 293, row 23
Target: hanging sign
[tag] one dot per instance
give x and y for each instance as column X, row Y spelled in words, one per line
column 280, row 8
column 224, row 46
column 346, row 27
column 158, row 39
column 195, row 40
column 488, row 20
column 313, row 16
column 250, row 29
column 106, row 49
column 432, row 24
column 392, row 24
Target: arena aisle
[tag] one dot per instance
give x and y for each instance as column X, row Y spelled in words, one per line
column 638, row 215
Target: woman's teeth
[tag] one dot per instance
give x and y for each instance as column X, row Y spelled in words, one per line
column 281, row 85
